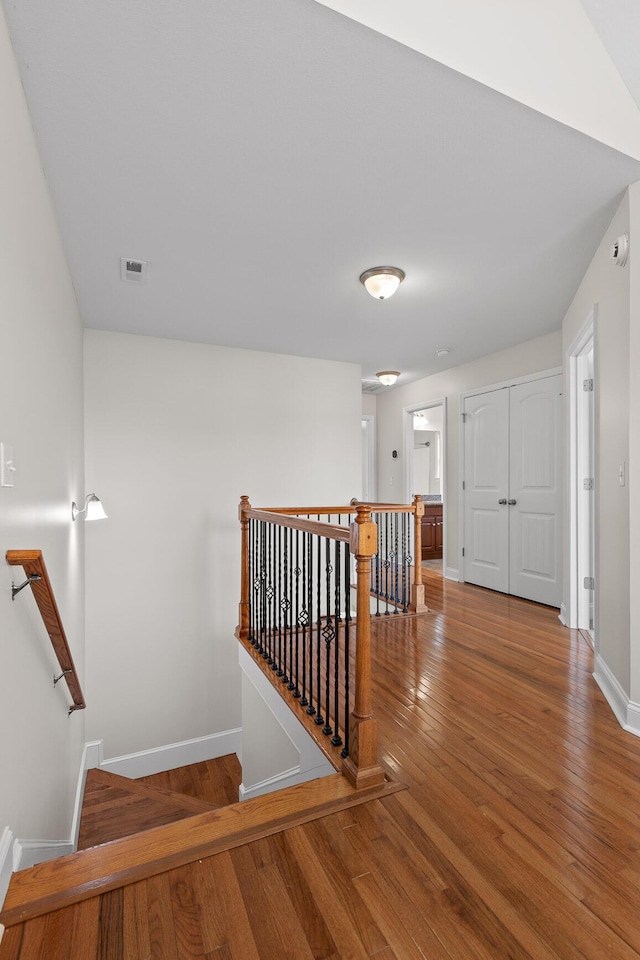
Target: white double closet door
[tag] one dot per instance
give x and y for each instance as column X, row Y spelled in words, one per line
column 512, row 490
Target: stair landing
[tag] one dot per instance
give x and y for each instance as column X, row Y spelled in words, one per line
column 115, row 807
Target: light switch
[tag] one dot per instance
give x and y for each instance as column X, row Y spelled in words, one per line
column 7, row 466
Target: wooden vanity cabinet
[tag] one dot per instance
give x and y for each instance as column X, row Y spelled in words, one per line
column 432, row 532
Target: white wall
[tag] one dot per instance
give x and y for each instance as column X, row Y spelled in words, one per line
column 607, row 285
column 41, row 415
column 542, row 353
column 175, row 434
column 634, row 447
column 503, row 45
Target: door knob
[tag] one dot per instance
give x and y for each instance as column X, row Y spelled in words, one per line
column 511, row 503
column 503, row 501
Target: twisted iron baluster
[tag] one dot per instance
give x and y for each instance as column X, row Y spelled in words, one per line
column 319, row 719
column 286, row 606
column 295, row 687
column 341, row 595
column 306, row 592
column 347, row 664
column 279, row 602
column 394, row 526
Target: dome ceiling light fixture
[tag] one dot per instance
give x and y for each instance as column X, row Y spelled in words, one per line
column 388, row 377
column 382, row 282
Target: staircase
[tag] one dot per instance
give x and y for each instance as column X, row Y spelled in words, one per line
column 132, row 830
column 116, row 807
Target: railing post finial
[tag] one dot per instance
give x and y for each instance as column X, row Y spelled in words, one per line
column 243, row 607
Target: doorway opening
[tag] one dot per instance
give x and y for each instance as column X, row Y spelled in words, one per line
column 368, row 494
column 424, row 474
column 582, row 593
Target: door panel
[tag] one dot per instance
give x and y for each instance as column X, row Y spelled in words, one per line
column 486, row 521
column 534, row 483
column 513, row 453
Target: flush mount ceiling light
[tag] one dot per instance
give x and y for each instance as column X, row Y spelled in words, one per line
column 443, row 351
column 388, row 377
column 382, row 282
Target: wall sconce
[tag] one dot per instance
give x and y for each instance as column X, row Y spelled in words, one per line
column 382, row 282
column 92, row 509
column 388, row 377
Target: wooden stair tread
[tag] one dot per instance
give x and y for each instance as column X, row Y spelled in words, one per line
column 79, row 876
column 116, row 807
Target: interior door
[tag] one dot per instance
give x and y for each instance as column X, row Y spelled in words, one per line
column 512, row 494
column 535, row 494
column 486, row 514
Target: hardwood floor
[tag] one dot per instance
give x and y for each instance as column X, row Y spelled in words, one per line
column 519, row 835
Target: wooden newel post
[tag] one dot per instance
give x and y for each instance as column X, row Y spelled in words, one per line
column 361, row 766
column 243, row 607
column 417, row 594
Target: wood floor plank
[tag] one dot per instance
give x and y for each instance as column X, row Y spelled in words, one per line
column 518, row 837
column 136, row 926
column 162, row 931
column 226, row 928
column 11, row 942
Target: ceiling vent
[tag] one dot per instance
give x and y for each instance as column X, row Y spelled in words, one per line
column 133, row 271
column 372, row 386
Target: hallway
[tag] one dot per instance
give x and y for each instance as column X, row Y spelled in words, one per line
column 518, row 836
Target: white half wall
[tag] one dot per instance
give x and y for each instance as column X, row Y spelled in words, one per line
column 277, row 751
column 41, row 418
column 175, row 433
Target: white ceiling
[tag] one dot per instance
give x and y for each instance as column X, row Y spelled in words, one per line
column 261, row 155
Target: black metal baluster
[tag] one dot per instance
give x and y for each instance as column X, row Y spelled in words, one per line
column 286, row 606
column 252, row 568
column 306, row 593
column 387, row 564
column 291, row 665
column 341, row 596
column 318, row 614
column 394, row 527
column 295, row 687
column 279, row 604
column 319, row 719
column 268, row 585
column 347, row 667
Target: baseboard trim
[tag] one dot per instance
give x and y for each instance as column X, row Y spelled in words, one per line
column 562, row 616
column 26, row 853
column 626, row 712
column 451, row 573
column 6, row 862
column 145, row 763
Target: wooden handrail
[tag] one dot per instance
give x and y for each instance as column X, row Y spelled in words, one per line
column 34, row 566
column 299, row 523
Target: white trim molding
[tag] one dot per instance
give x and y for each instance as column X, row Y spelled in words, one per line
column 6, row 862
column 451, row 573
column 312, row 761
column 145, row 763
column 626, row 712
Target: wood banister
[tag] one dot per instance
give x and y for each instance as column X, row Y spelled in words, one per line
column 34, row 566
column 361, row 767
